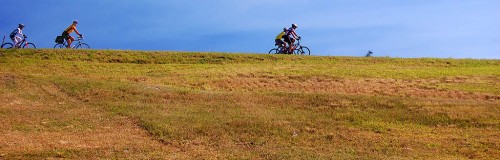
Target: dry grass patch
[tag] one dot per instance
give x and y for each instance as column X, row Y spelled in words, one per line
column 427, row 88
column 279, row 125
column 46, row 123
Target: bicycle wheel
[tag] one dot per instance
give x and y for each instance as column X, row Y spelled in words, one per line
column 278, row 50
column 29, row 45
column 302, row 51
column 273, row 51
column 7, row 45
column 59, row 46
column 83, row 46
column 305, row 50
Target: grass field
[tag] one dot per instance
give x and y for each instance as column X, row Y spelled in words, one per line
column 187, row 105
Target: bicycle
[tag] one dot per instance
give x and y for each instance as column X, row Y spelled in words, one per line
column 297, row 49
column 24, row 43
column 369, row 54
column 61, row 43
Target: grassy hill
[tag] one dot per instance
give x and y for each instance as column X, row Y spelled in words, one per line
column 173, row 105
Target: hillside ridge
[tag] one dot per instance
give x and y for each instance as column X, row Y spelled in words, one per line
column 119, row 104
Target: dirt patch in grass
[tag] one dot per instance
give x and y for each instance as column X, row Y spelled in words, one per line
column 7, row 81
column 45, row 123
column 120, row 138
column 426, row 88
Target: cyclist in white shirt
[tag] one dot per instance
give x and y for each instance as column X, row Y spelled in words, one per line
column 14, row 35
column 290, row 37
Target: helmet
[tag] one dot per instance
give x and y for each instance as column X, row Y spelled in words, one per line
column 284, row 29
column 75, row 21
column 294, row 25
column 21, row 25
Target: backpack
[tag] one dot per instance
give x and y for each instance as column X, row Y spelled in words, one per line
column 59, row 40
column 13, row 33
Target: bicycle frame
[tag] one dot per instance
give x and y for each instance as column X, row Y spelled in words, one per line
column 65, row 43
column 24, row 41
column 21, row 44
column 76, row 44
column 296, row 45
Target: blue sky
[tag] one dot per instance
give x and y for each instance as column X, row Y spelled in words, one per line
column 394, row 28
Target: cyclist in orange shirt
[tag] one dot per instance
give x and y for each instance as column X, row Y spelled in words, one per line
column 68, row 31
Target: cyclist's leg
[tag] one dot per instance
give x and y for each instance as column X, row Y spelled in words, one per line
column 283, row 44
column 279, row 42
column 292, row 45
column 70, row 40
column 67, row 37
column 287, row 40
column 17, row 40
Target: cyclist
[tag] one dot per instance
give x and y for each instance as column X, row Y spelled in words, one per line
column 68, row 31
column 280, row 36
column 291, row 36
column 14, row 35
